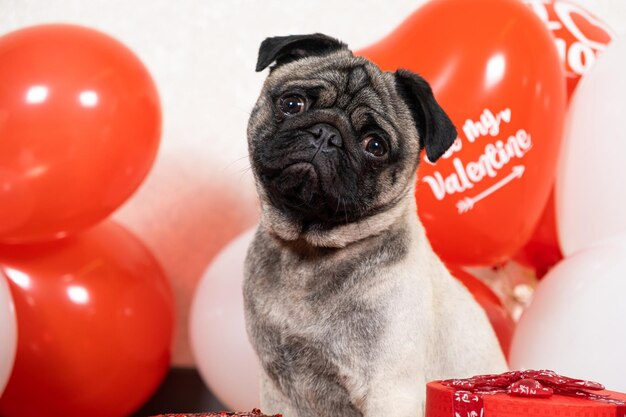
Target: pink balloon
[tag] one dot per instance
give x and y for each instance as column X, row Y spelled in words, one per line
column 219, row 342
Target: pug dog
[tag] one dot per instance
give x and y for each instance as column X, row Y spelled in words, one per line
column 347, row 306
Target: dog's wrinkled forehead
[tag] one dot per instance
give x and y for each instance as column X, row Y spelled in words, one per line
column 345, row 82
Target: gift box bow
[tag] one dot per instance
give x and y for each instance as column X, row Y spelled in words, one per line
column 535, row 384
column 470, row 396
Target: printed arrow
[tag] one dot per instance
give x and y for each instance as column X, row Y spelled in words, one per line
column 468, row 203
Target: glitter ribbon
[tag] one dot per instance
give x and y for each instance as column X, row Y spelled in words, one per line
column 468, row 395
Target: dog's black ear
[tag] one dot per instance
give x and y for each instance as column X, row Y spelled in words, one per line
column 283, row 49
column 436, row 130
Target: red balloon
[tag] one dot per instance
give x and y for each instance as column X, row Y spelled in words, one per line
column 579, row 37
column 499, row 317
column 95, row 324
column 80, row 124
column 542, row 251
column 494, row 69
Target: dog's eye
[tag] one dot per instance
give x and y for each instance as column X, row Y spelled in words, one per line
column 375, row 146
column 292, row 104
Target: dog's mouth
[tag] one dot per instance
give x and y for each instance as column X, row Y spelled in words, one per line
column 304, row 174
column 298, row 190
column 296, row 185
column 299, row 166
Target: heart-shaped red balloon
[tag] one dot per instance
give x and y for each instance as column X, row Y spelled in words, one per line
column 579, row 36
column 494, row 68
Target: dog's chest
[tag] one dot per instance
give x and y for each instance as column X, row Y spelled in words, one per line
column 316, row 346
column 333, row 307
column 316, row 322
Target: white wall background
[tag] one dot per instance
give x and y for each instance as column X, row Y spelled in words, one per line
column 202, row 54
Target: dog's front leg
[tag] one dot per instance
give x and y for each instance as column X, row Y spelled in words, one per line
column 404, row 396
column 272, row 400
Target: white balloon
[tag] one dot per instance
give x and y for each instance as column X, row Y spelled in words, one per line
column 8, row 333
column 575, row 322
column 219, row 342
column 590, row 190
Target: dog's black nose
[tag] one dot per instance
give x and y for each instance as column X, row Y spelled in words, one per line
column 327, row 135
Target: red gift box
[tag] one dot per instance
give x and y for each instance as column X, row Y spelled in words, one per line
column 522, row 394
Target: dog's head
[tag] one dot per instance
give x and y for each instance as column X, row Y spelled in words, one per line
column 334, row 140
